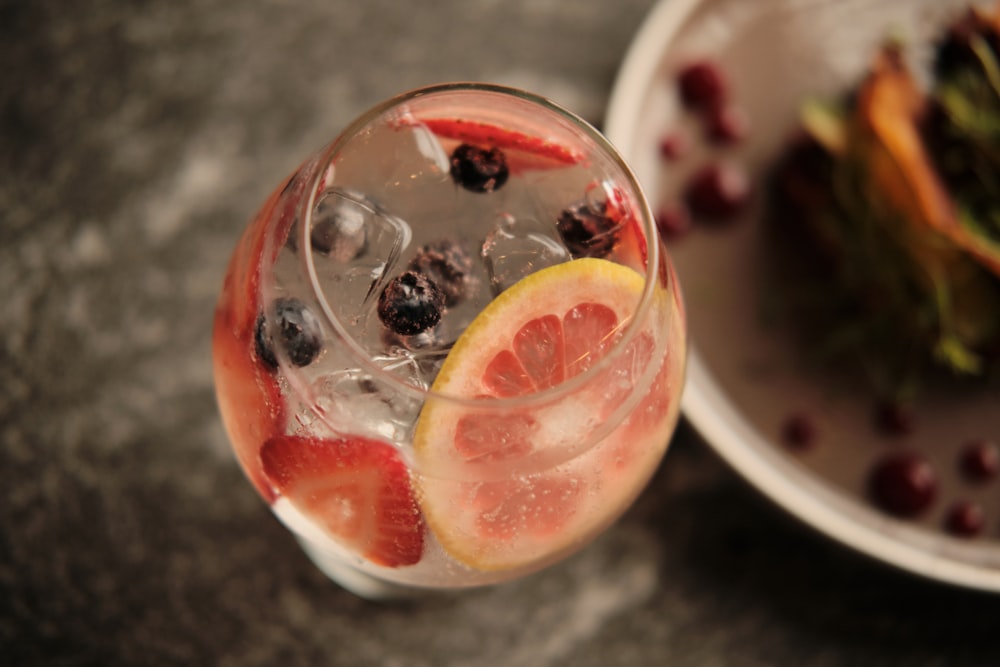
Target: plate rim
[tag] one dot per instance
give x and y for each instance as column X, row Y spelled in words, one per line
column 737, row 441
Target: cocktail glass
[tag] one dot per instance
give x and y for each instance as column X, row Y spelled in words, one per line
column 449, row 349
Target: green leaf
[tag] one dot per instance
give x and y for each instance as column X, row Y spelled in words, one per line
column 957, row 356
column 826, row 123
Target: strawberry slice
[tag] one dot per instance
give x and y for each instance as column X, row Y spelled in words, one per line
column 249, row 398
column 476, row 132
column 632, row 246
column 524, row 152
column 356, row 488
column 241, row 288
column 248, row 394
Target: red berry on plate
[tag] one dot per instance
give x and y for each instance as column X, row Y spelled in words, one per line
column 799, row 431
column 702, row 84
column 894, row 418
column 980, row 460
column 672, row 146
column 717, row 192
column 727, row 124
column 356, row 488
column 965, row 519
column 903, row 484
column 673, row 221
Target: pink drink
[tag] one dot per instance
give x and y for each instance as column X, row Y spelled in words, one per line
column 449, row 350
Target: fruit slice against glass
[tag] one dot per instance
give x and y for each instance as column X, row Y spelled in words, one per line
column 519, row 481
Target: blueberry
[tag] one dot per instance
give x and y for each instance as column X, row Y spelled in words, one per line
column 447, row 265
column 587, row 231
column 479, row 169
column 410, row 303
column 297, row 330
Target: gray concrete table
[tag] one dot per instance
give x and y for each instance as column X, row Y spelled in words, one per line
column 135, row 141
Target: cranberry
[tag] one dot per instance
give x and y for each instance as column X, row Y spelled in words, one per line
column 673, row 221
column 893, row 418
column 727, row 124
column 479, row 169
column 702, row 84
column 718, row 192
column 965, row 519
column 673, row 146
column 979, row 461
column 799, row 431
column 410, row 303
column 903, row 485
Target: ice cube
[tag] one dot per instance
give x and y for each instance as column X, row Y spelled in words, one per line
column 415, row 359
column 517, row 247
column 360, row 246
column 354, row 401
column 404, row 365
column 340, row 223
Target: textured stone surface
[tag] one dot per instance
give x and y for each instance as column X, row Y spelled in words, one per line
column 135, row 141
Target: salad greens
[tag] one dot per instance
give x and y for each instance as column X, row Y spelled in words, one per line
column 888, row 209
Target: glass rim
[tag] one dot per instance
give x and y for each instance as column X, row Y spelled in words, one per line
column 635, row 322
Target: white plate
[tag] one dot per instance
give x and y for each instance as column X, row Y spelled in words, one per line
column 743, row 382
